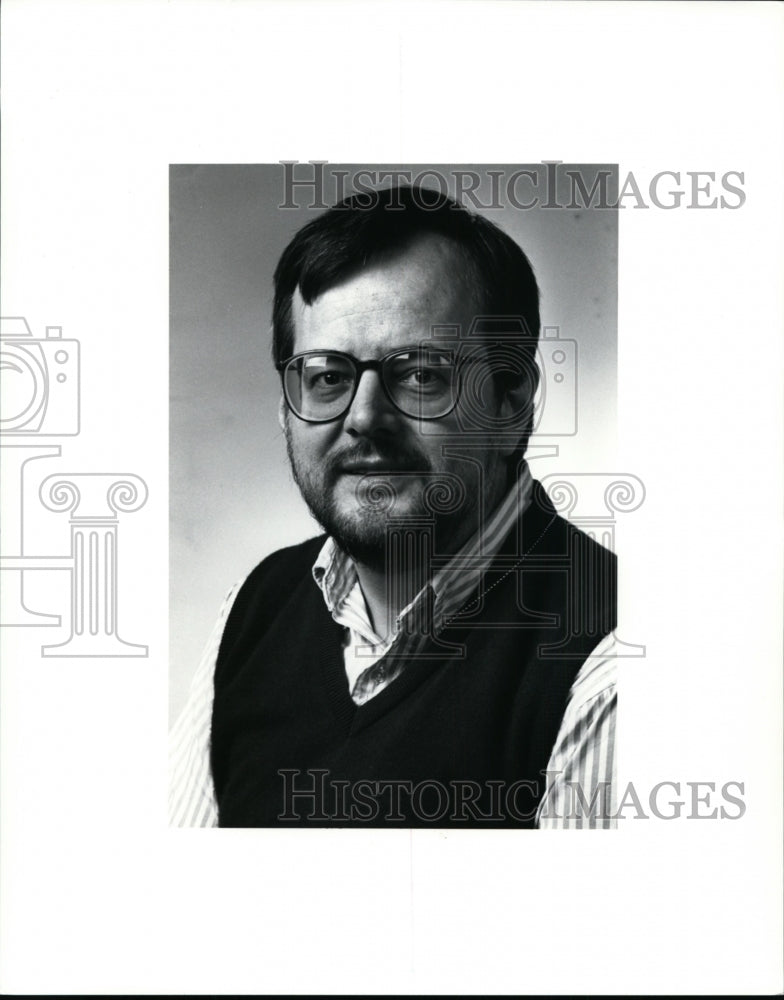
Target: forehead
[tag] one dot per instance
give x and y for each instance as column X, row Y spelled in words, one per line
column 391, row 304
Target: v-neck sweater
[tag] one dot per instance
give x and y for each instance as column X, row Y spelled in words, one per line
column 476, row 712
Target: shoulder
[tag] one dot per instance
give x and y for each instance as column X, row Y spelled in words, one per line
column 571, row 572
column 289, row 563
column 558, row 536
column 266, row 591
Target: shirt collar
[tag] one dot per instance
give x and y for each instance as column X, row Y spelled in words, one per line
column 456, row 581
column 335, row 574
column 452, row 584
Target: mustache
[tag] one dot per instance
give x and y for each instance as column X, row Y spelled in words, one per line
column 370, row 457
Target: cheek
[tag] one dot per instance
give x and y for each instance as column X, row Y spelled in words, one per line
column 431, row 437
column 308, row 443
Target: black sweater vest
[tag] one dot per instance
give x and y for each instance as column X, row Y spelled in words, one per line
column 461, row 738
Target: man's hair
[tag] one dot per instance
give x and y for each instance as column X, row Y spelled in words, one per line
column 365, row 228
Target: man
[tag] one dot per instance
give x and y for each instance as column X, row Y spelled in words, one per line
column 435, row 657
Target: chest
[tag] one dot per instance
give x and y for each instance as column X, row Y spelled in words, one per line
column 475, row 705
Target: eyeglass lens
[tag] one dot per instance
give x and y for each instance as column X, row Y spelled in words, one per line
column 420, row 384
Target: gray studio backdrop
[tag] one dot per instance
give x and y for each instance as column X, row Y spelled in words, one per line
column 232, row 499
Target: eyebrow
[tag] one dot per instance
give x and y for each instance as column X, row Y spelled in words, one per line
column 411, row 349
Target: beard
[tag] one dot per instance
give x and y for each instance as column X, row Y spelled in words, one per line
column 365, row 512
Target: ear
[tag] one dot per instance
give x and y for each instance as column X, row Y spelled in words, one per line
column 282, row 412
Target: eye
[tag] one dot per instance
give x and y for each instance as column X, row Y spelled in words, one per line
column 423, row 377
column 327, row 379
column 330, row 378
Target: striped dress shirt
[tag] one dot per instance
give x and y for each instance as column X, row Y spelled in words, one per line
column 580, row 786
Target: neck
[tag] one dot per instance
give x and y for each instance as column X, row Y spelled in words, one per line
column 387, row 591
column 389, row 585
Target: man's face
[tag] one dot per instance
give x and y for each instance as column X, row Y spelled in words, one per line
column 374, row 450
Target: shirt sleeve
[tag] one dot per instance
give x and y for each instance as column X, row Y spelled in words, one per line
column 191, row 792
column 580, row 787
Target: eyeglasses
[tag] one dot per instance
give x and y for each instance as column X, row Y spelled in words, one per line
column 320, row 386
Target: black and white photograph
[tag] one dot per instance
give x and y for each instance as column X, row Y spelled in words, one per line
column 390, row 530
column 502, row 697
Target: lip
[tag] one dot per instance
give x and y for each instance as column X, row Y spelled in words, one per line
column 373, row 470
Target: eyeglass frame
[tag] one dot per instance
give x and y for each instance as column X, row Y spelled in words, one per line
column 361, row 367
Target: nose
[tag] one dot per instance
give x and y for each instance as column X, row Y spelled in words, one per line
column 371, row 411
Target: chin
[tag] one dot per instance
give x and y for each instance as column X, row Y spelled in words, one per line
column 363, row 538
column 384, row 540
column 369, row 496
column 363, row 527
column 360, row 514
